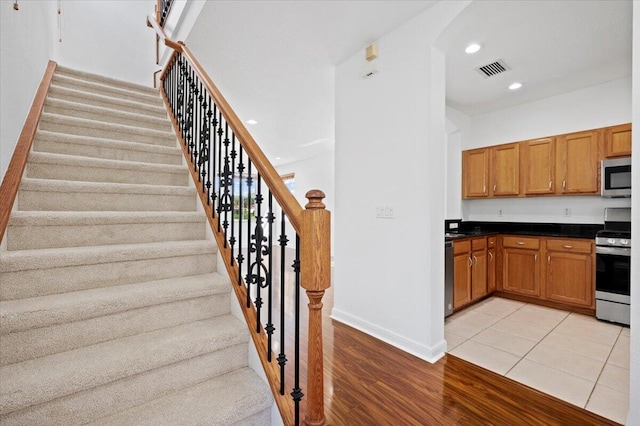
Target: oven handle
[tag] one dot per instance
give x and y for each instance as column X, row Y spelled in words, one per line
column 617, row 251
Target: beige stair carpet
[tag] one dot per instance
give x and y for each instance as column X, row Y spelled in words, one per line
column 112, row 309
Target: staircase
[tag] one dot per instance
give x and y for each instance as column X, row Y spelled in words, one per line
column 112, row 310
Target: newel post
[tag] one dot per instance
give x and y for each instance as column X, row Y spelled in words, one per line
column 315, row 263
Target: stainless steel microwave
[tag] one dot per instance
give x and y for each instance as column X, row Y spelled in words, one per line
column 616, row 177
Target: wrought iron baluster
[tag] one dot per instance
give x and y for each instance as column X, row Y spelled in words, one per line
column 282, row 357
column 226, row 202
column 240, row 257
column 212, row 153
column 232, row 240
column 220, row 133
column 207, row 141
column 270, row 328
column 249, row 186
column 297, row 392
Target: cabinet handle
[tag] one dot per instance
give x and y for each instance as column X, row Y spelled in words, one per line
column 549, row 260
column 564, row 185
column 494, row 187
column 520, row 243
column 567, row 246
column 536, row 258
column 470, row 262
column 475, row 260
column 490, row 256
column 550, row 184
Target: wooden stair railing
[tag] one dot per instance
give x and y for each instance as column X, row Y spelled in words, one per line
column 225, row 161
column 13, row 175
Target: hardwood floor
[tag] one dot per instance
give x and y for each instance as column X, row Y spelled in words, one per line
column 368, row 382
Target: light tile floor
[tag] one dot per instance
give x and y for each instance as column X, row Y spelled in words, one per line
column 570, row 356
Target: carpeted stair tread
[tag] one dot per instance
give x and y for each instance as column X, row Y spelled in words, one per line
column 43, row 311
column 105, row 114
column 54, row 185
column 21, row 260
column 30, row 230
column 69, row 94
column 71, row 218
column 84, row 127
column 87, row 146
column 224, row 400
column 83, row 75
column 44, row 379
column 43, row 165
column 107, row 89
column 86, row 406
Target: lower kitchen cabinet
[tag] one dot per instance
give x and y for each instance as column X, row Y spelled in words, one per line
column 521, row 268
column 565, row 276
column 569, row 272
column 491, row 264
column 469, row 270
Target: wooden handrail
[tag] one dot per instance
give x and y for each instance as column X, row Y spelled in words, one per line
column 152, row 23
column 13, row 176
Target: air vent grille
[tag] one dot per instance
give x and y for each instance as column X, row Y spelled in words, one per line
column 494, row 68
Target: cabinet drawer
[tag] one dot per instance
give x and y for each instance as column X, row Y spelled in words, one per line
column 570, row 246
column 521, row 242
column 463, row 246
column 478, row 244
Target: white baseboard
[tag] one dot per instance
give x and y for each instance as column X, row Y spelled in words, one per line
column 428, row 353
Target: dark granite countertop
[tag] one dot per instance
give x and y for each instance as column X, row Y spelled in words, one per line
column 566, row 230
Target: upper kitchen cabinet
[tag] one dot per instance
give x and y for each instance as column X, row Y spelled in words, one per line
column 617, row 141
column 537, row 166
column 577, row 163
column 475, row 173
column 505, row 170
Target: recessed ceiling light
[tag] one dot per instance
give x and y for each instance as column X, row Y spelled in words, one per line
column 278, row 158
column 515, row 86
column 473, row 48
column 252, row 122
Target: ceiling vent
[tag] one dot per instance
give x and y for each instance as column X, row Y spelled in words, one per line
column 494, row 68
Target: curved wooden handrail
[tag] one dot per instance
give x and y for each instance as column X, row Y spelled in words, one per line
column 13, row 176
column 287, row 201
column 152, row 23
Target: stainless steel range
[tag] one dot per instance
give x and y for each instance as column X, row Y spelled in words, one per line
column 613, row 264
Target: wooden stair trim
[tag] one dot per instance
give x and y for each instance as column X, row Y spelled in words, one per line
column 13, row 175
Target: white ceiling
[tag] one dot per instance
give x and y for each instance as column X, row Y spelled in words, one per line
column 552, row 46
column 274, row 60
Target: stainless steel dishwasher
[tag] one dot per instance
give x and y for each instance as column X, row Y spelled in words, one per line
column 448, row 278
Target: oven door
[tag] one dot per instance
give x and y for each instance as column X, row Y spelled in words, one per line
column 613, row 265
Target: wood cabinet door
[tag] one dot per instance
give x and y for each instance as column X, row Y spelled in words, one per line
column 491, row 270
column 521, row 272
column 618, row 141
column 569, row 278
column 538, row 165
column 461, row 280
column 505, row 169
column 478, row 274
column 475, row 173
column 577, row 163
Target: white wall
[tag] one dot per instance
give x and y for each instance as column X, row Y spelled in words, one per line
column 390, row 149
column 182, row 17
column 108, row 38
column 25, row 48
column 314, row 173
column 634, row 397
column 598, row 106
column 457, row 125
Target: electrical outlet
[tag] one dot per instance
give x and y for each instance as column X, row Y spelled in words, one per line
column 384, row 212
column 500, row 213
column 567, row 212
